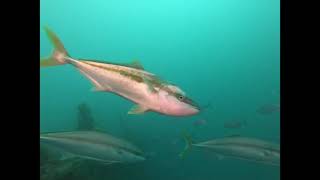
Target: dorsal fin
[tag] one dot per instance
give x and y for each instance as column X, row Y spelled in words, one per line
column 136, row 64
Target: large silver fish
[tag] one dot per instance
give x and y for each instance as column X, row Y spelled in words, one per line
column 93, row 145
column 244, row 148
column 130, row 81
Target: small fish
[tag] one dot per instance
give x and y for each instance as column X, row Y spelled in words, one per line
column 238, row 147
column 93, row 145
column 234, row 124
column 267, row 109
column 199, row 122
column 130, row 81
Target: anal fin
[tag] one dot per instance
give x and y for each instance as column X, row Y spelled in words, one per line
column 97, row 86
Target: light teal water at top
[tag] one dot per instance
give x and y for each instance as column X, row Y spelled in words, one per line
column 226, row 52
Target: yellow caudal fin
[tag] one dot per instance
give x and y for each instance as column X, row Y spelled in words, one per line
column 59, row 54
column 188, row 140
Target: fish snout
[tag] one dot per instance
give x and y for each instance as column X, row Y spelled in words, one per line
column 194, row 110
column 187, row 111
column 181, row 106
column 190, row 107
column 142, row 158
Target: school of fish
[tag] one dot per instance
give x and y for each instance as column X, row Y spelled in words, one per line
column 149, row 93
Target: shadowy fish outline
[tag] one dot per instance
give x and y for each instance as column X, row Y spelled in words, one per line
column 93, row 145
column 238, row 147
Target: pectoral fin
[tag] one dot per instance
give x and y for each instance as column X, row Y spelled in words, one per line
column 138, row 109
column 97, row 86
column 107, row 163
column 100, row 88
column 266, row 153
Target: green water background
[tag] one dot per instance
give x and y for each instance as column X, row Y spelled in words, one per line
column 226, row 52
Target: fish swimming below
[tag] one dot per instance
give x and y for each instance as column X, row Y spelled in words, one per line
column 93, row 145
column 130, row 81
column 238, row 147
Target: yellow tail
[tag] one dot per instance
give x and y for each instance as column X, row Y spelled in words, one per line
column 188, row 140
column 59, row 53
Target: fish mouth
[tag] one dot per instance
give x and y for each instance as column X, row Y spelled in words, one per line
column 141, row 156
column 138, row 153
column 192, row 103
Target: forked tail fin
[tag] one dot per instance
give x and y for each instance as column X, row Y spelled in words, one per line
column 59, row 54
column 188, row 140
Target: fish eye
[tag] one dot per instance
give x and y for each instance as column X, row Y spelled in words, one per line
column 180, row 97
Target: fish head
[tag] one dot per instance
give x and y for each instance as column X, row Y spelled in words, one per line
column 272, row 157
column 134, row 155
column 173, row 101
column 135, row 158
